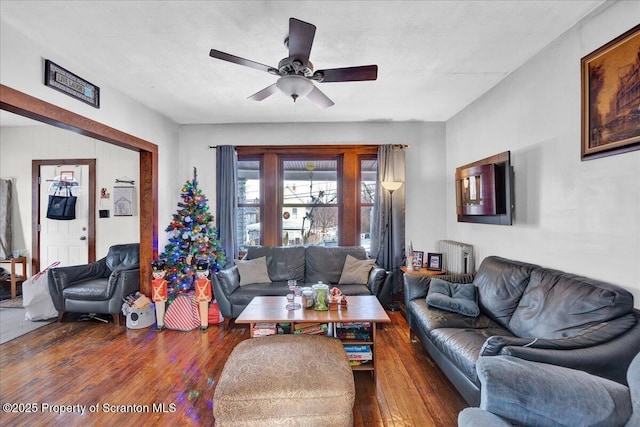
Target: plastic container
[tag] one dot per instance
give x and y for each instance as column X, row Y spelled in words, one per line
column 320, row 294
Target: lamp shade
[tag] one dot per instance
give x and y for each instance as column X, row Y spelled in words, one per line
column 294, row 86
column 391, row 185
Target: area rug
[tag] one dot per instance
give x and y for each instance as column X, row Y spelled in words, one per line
column 13, row 324
column 12, row 303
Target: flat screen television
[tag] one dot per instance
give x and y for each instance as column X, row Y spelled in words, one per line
column 484, row 191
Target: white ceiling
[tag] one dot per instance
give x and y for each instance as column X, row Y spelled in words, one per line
column 434, row 57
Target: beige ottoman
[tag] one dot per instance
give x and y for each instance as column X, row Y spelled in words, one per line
column 285, row 380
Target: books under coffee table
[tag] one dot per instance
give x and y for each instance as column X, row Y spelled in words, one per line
column 355, row 326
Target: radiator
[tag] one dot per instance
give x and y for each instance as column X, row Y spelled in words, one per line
column 457, row 258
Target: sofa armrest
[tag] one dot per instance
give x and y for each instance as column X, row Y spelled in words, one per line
column 529, row 393
column 376, row 281
column 224, row 283
column 123, row 282
column 609, row 359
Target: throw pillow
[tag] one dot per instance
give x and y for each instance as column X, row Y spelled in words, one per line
column 253, row 271
column 459, row 298
column 356, row 271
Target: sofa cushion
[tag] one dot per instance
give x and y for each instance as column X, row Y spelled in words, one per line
column 560, row 305
column 356, row 271
column 123, row 257
column 501, row 283
column 283, row 262
column 456, row 297
column 462, row 346
column 91, row 290
column 428, row 319
column 350, row 290
column 253, row 271
column 244, row 294
column 325, row 265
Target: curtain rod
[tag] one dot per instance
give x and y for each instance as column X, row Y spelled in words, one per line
column 395, row 145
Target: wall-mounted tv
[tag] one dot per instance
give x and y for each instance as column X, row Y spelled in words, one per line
column 484, row 191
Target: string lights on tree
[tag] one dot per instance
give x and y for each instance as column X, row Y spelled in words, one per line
column 192, row 237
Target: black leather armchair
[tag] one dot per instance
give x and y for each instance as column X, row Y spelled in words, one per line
column 97, row 287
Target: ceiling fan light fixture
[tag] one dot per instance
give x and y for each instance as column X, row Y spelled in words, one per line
column 294, row 86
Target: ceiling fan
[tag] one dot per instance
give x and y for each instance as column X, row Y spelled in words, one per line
column 296, row 71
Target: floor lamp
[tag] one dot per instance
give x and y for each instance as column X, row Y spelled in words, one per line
column 392, row 186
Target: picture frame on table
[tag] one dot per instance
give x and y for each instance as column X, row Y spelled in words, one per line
column 418, row 260
column 610, row 101
column 434, row 261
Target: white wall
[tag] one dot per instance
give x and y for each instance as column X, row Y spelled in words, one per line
column 22, row 68
column 425, row 170
column 580, row 217
column 20, row 145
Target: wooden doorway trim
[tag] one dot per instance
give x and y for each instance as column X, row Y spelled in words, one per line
column 36, row 208
column 28, row 106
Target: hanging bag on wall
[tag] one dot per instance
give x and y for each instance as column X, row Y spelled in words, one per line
column 62, row 207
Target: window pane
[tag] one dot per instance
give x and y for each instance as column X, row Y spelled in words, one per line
column 249, row 181
column 365, row 227
column 317, row 226
column 248, row 212
column 310, row 196
column 310, row 182
column 368, row 174
column 248, row 227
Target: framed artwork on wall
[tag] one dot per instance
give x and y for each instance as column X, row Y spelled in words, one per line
column 611, row 97
column 123, row 201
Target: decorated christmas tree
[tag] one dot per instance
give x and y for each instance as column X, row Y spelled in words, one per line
column 192, row 237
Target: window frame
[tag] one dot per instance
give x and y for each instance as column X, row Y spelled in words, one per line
column 271, row 185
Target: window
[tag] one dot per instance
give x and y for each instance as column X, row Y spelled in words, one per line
column 248, row 213
column 306, row 195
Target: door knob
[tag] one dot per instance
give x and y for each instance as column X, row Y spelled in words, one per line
column 83, row 237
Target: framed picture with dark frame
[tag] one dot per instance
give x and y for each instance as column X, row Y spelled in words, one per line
column 434, row 261
column 610, row 99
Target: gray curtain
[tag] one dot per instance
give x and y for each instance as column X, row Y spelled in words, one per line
column 391, row 167
column 5, row 218
column 227, row 199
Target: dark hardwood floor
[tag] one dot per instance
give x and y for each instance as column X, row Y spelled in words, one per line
column 53, row 368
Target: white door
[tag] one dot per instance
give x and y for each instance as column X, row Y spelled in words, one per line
column 64, row 241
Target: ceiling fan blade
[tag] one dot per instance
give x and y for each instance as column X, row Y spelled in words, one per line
column 348, row 74
column 241, row 61
column 264, row 93
column 319, row 99
column 300, row 39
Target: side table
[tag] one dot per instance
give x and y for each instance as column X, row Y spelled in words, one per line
column 423, row 271
column 14, row 277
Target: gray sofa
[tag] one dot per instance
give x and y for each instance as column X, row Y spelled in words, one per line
column 550, row 395
column 308, row 265
column 531, row 313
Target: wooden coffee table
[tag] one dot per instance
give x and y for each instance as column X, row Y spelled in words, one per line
column 365, row 308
